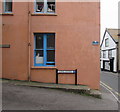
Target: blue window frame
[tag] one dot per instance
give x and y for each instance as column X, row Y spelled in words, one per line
column 44, row 6
column 7, row 6
column 44, row 49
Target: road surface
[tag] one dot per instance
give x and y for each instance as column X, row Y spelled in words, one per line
column 33, row 98
column 109, row 81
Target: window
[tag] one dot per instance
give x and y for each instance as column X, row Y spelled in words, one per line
column 106, row 42
column 104, row 54
column 44, row 52
column 110, row 54
column 8, row 6
column 45, row 6
column 4, row 45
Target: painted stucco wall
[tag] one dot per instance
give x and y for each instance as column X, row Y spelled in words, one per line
column 15, row 33
column 114, row 52
column 75, row 31
column 113, row 46
column 119, row 52
column 76, row 26
column 0, row 42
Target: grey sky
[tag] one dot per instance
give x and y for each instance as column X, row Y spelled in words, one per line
column 109, row 14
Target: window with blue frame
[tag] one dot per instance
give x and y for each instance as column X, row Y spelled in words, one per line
column 8, row 6
column 44, row 52
column 45, row 6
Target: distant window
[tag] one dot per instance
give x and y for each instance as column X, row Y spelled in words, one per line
column 8, row 6
column 4, row 45
column 44, row 52
column 45, row 6
column 118, row 34
column 106, row 42
column 110, row 54
column 104, row 54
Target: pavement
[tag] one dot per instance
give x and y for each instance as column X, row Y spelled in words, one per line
column 21, row 95
column 81, row 89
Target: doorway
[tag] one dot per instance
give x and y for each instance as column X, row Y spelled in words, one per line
column 112, row 64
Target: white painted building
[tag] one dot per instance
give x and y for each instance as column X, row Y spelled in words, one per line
column 109, row 50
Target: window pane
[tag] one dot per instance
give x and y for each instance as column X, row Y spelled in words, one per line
column 110, row 54
column 50, row 55
column 50, row 63
column 39, row 41
column 106, row 42
column 51, row 41
column 51, row 6
column 8, row 6
column 39, row 5
column 104, row 54
column 39, row 57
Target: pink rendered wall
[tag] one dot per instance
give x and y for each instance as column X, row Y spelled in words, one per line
column 15, row 33
column 76, row 26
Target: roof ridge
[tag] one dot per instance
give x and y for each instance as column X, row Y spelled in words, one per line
column 112, row 29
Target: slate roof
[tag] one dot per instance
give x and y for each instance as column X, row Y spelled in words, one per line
column 114, row 33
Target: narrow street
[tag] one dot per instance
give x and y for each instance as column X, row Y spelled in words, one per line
column 109, row 81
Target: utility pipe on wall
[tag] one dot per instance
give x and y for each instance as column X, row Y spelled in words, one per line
column 29, row 41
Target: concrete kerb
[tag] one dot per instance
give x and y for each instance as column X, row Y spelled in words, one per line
column 79, row 89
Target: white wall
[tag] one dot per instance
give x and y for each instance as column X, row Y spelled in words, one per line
column 112, row 45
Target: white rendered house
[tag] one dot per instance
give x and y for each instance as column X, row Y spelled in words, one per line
column 109, row 50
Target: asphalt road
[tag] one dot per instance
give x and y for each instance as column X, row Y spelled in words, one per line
column 32, row 98
column 110, row 82
column 110, row 79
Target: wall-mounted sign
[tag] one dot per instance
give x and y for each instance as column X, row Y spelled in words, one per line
column 66, row 71
column 95, row 43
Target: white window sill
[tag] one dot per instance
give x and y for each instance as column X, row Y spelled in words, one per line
column 43, row 14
